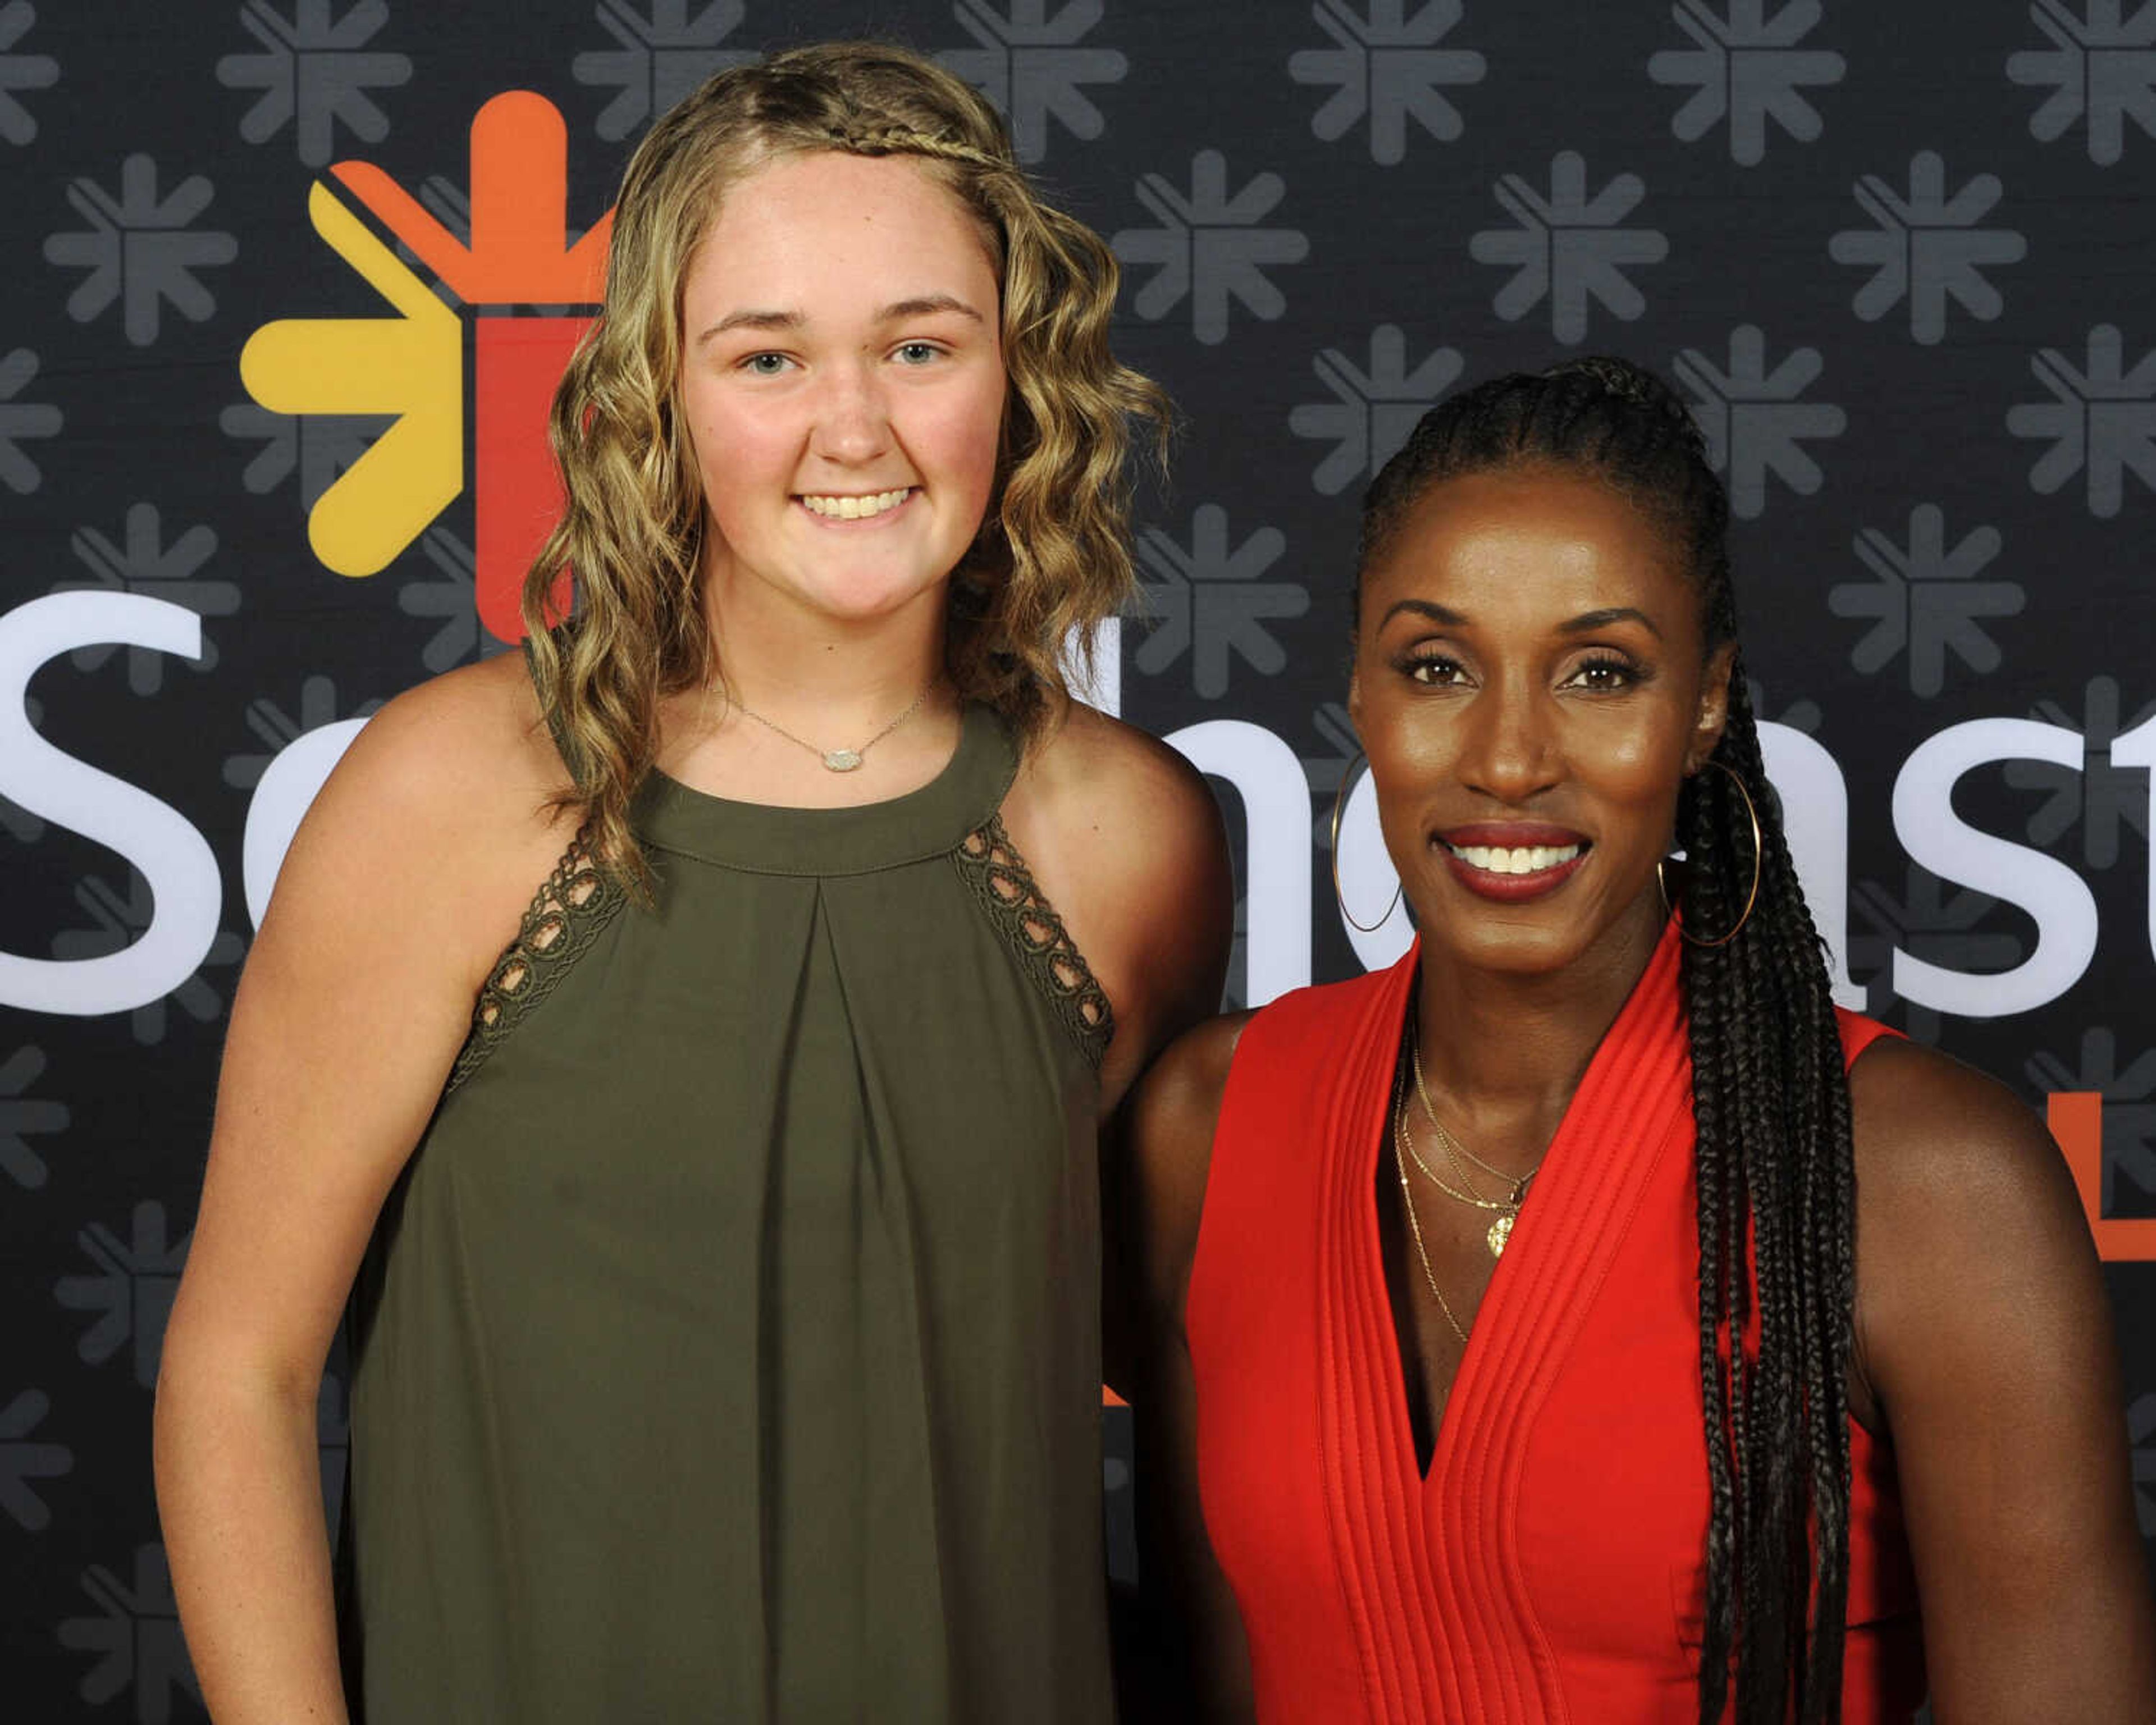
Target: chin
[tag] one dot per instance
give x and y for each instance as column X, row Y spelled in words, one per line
column 869, row 596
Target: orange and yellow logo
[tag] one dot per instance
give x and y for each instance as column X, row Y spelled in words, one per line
column 412, row 365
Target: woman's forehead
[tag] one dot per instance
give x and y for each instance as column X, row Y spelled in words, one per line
column 1527, row 543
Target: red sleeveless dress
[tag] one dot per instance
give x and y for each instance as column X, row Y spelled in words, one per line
column 1551, row 1565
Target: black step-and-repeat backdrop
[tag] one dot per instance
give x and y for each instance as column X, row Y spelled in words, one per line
column 286, row 282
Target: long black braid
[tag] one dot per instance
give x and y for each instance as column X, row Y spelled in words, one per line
column 1770, row 1092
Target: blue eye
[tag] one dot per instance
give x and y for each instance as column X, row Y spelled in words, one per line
column 766, row 365
column 918, row 353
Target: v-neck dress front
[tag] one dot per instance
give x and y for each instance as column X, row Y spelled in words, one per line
column 1551, row 1565
column 729, row 1349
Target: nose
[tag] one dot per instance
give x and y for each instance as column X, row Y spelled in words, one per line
column 852, row 424
column 1509, row 751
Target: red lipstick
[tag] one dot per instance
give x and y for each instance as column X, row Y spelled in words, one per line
column 1511, row 836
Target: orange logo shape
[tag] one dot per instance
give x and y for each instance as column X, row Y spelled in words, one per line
column 411, row 365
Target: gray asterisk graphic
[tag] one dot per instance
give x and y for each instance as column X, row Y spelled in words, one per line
column 23, row 1458
column 2105, row 799
column 1925, row 600
column 1569, row 248
column 1207, row 600
column 661, row 54
column 1373, row 408
column 444, row 598
column 120, row 921
column 2101, row 69
column 1802, row 714
column 20, row 420
column 135, row 1635
column 1747, row 68
column 277, row 729
column 2129, row 1105
column 130, row 1292
column 2101, row 420
column 1926, row 248
column 317, row 447
column 140, row 249
column 2140, row 1432
column 21, row 71
column 1033, row 67
column 23, row 1116
column 1929, row 923
column 143, row 563
column 1755, row 422
column 1387, row 66
column 1207, row 247
column 314, row 67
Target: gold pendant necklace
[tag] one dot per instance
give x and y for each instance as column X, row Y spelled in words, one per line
column 1500, row 1231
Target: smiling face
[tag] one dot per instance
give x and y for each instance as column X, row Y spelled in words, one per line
column 1532, row 685
column 843, row 385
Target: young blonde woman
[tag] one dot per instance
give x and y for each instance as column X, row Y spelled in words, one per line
column 721, row 1225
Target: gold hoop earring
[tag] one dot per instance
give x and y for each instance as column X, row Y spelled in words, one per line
column 1751, row 898
column 1339, row 799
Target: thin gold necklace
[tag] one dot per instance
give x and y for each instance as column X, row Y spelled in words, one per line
column 1414, row 1224
column 840, row 760
column 1501, row 1230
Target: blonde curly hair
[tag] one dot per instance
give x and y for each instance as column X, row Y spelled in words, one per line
column 1052, row 557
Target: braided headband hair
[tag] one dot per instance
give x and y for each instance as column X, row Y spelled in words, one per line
column 904, row 141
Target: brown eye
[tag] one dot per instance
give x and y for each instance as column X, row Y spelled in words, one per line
column 1434, row 670
column 1606, row 674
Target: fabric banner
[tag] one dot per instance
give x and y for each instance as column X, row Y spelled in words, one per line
column 289, row 283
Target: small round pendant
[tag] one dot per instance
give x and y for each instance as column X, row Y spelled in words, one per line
column 842, row 760
column 1501, row 1230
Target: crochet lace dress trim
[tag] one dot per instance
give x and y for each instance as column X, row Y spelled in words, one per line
column 566, row 915
column 990, row 865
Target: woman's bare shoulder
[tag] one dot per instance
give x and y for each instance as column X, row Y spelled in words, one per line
column 444, row 806
column 1126, row 839
column 465, row 746
column 1954, row 1171
column 1927, row 1128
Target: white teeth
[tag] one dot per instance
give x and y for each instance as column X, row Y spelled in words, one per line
column 1524, row 860
column 854, row 509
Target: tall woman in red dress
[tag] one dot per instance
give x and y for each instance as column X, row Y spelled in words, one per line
column 1582, row 1320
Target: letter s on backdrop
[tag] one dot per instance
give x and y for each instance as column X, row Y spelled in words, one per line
column 175, row 858
column 1940, row 840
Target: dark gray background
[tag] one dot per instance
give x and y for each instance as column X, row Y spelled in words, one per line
column 1375, row 216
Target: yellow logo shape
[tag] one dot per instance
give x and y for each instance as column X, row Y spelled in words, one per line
column 411, row 365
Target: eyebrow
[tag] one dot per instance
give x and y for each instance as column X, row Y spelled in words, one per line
column 921, row 306
column 1585, row 624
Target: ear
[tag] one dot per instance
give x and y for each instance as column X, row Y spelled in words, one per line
column 1713, row 714
column 1355, row 700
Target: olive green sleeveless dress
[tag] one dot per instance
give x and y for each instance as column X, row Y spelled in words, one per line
column 730, row 1348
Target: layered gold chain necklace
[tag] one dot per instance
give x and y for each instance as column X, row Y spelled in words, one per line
column 1507, row 1210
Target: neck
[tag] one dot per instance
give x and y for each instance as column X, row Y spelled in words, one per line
column 835, row 677
column 1504, row 1051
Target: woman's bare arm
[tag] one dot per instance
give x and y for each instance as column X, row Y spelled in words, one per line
column 407, row 878
column 1984, row 1339
column 1202, row 1664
